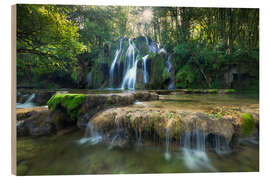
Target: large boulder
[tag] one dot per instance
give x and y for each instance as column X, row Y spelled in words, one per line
column 34, row 122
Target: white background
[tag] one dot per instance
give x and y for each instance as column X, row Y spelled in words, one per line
column 5, row 86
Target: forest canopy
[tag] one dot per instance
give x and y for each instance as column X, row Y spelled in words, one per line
column 54, row 42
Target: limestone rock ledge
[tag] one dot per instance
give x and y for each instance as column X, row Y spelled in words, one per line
column 158, row 121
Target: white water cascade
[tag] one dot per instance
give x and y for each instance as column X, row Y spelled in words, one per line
column 221, row 145
column 89, row 79
column 167, row 153
column 28, row 103
column 91, row 135
column 116, row 57
column 169, row 68
column 145, row 73
column 129, row 80
column 194, row 153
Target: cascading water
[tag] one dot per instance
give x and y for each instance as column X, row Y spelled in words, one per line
column 28, row 103
column 145, row 73
column 91, row 135
column 194, row 153
column 116, row 57
column 129, row 80
column 221, row 145
column 167, row 153
column 89, row 79
column 131, row 62
column 117, row 135
column 169, row 68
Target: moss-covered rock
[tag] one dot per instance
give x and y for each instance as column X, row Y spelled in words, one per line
column 247, row 124
column 68, row 103
column 158, row 121
column 229, row 91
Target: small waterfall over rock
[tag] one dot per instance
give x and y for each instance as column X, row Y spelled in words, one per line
column 28, row 103
column 194, row 153
column 91, row 135
column 89, row 79
column 221, row 145
column 145, row 73
column 131, row 62
column 117, row 56
column 169, row 68
column 167, row 153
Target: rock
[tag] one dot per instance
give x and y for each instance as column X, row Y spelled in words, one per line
column 158, row 120
column 146, row 96
column 98, row 102
column 42, row 98
column 35, row 123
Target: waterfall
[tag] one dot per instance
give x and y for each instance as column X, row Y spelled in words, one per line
column 221, row 145
column 145, row 73
column 129, row 80
column 89, row 79
column 169, row 68
column 30, row 98
column 129, row 68
column 91, row 135
column 28, row 103
column 194, row 153
column 116, row 57
column 167, row 153
column 117, row 134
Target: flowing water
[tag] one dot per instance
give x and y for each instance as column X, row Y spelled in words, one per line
column 79, row 152
column 169, row 68
column 117, row 57
column 64, row 155
column 145, row 73
column 131, row 62
column 132, row 56
column 28, row 103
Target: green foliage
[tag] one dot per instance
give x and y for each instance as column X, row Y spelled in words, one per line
column 67, row 102
column 74, row 76
column 248, row 124
column 47, row 42
column 184, row 77
column 159, row 73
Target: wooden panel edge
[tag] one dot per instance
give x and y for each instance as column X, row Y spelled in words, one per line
column 13, row 90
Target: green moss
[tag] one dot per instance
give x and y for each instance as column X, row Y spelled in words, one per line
column 196, row 90
column 248, row 124
column 229, row 91
column 212, row 91
column 69, row 102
